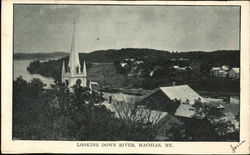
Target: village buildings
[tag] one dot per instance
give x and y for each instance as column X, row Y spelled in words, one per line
column 225, row 72
column 166, row 107
column 234, row 73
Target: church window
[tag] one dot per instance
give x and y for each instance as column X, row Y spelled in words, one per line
column 67, row 82
column 78, row 82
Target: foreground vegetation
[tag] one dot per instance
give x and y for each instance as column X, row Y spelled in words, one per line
column 59, row 114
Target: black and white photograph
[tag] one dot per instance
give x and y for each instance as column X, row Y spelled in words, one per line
column 133, row 73
column 144, row 73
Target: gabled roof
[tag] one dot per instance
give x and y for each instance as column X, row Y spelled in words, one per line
column 125, row 111
column 184, row 110
column 181, row 92
column 222, row 71
column 236, row 70
column 224, row 67
column 215, row 68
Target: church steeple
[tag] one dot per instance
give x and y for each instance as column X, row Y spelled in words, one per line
column 74, row 63
column 73, row 75
column 84, row 71
column 63, row 68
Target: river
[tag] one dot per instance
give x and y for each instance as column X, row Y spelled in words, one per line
column 20, row 69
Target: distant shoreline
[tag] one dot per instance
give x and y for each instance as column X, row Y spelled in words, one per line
column 39, row 56
column 112, row 53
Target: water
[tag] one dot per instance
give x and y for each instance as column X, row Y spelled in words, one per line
column 20, row 69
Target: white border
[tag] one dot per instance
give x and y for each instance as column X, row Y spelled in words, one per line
column 21, row 146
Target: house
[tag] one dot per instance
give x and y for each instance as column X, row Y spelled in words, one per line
column 151, row 73
column 166, row 98
column 225, row 68
column 133, row 59
column 219, row 71
column 182, row 68
column 214, row 71
column 234, row 73
column 138, row 62
column 178, row 102
column 123, row 64
column 93, row 85
column 159, row 119
column 222, row 73
column 176, row 67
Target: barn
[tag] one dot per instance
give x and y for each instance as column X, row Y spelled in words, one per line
column 172, row 99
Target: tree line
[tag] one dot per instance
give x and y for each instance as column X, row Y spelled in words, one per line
column 60, row 114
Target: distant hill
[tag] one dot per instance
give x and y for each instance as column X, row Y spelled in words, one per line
column 149, row 56
column 227, row 57
column 39, row 56
column 112, row 55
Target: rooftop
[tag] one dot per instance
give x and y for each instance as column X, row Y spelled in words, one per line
column 181, row 92
column 184, row 110
column 237, row 70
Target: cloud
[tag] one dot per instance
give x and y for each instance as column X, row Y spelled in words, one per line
column 49, row 27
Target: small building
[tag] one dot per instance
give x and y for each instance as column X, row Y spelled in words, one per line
column 151, row 73
column 182, row 68
column 123, row 64
column 176, row 67
column 164, row 99
column 234, row 73
column 93, row 85
column 225, row 68
column 215, row 71
column 222, row 73
column 159, row 119
column 138, row 62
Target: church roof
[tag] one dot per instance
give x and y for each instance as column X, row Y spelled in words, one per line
column 74, row 61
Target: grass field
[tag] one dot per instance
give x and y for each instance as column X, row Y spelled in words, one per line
column 105, row 74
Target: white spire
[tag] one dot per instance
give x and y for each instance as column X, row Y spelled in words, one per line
column 74, row 62
column 84, row 71
column 90, row 85
column 63, row 68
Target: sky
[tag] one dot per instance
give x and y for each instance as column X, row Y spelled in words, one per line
column 48, row 28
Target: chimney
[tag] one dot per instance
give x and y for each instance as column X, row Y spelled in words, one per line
column 173, row 84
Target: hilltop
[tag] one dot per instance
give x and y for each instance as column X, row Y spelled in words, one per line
column 226, row 57
column 198, row 78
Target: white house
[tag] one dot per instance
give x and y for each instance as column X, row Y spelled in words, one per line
column 123, row 64
column 214, row 71
column 225, row 68
column 234, row 73
column 222, row 73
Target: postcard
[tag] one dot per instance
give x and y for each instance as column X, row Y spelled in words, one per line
column 155, row 77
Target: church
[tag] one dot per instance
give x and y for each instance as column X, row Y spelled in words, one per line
column 74, row 73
